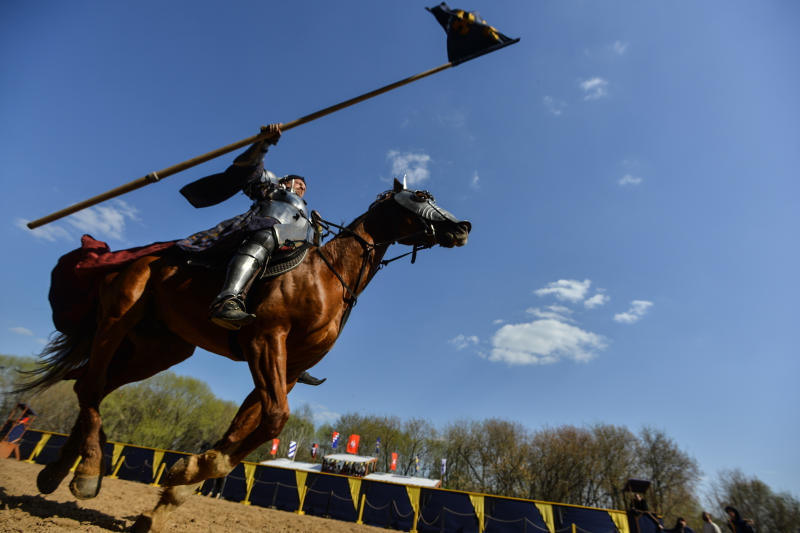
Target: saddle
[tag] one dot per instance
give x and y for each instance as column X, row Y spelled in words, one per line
column 282, row 261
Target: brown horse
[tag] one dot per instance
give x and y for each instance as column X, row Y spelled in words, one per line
column 152, row 313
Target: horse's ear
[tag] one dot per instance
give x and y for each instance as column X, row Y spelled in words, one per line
column 398, row 186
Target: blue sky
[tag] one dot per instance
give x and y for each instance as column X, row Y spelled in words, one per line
column 629, row 169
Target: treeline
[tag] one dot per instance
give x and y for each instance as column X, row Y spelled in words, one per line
column 579, row 465
column 166, row 411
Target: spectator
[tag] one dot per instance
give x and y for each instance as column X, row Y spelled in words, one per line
column 640, row 507
column 708, row 525
column 680, row 527
column 736, row 523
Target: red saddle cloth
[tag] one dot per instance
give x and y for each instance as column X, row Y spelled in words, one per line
column 76, row 277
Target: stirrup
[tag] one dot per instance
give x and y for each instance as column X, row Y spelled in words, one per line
column 230, row 314
column 308, row 379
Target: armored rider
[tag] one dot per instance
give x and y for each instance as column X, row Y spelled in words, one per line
column 277, row 221
column 285, row 225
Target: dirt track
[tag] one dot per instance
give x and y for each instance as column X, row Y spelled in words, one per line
column 23, row 509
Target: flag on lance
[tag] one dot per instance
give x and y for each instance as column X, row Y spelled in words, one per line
column 292, row 449
column 378, row 446
column 314, row 448
column 444, row 466
column 352, row 443
column 275, row 443
column 416, row 463
column 468, row 35
column 335, row 439
column 394, row 462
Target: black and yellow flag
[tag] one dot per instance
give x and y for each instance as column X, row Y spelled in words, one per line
column 468, row 35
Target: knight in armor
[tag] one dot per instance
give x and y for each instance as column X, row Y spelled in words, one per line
column 276, row 221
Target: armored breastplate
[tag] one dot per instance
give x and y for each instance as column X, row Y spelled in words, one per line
column 283, row 205
column 291, row 213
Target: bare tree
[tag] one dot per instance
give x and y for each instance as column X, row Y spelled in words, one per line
column 755, row 500
column 614, row 451
column 673, row 473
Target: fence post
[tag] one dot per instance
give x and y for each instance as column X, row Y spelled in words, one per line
column 117, row 467
column 160, row 472
column 361, row 510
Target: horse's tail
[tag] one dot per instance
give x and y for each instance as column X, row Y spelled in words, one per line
column 62, row 358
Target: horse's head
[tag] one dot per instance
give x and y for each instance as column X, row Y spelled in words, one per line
column 413, row 218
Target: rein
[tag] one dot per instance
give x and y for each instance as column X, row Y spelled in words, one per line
column 368, row 248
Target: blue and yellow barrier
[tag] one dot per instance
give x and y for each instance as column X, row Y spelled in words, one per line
column 377, row 503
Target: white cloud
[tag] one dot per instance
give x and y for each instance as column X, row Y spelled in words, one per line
column 619, row 47
column 555, row 312
column 544, row 342
column 19, row 330
column 596, row 301
column 453, row 119
column 48, row 232
column 413, row 165
column 475, row 183
column 636, row 311
column 463, row 341
column 322, row 415
column 104, row 220
column 556, row 107
column 629, row 179
column 498, row 321
column 594, row 88
column 570, row 290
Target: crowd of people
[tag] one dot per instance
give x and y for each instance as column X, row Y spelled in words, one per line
column 735, row 522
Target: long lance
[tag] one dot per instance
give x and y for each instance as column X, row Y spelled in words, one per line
column 159, row 175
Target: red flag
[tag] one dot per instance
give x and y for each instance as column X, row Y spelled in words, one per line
column 275, row 443
column 352, row 443
column 314, row 449
column 394, row 462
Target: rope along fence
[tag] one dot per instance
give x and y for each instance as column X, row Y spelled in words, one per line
column 524, row 520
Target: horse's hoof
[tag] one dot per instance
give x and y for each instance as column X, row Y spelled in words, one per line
column 143, row 524
column 85, row 487
column 50, row 477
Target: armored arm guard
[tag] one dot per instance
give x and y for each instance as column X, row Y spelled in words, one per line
column 254, row 155
column 246, row 169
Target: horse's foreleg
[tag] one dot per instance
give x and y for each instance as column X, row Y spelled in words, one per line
column 188, row 473
column 260, row 418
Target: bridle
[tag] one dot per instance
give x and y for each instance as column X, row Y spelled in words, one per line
column 368, row 248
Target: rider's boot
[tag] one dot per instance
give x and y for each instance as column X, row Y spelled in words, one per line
column 228, row 308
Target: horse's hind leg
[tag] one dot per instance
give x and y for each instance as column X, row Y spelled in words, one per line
column 51, row 476
column 145, row 352
column 120, row 309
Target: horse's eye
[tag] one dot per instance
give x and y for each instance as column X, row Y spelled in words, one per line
column 420, row 196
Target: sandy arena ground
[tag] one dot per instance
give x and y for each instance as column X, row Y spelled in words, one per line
column 24, row 510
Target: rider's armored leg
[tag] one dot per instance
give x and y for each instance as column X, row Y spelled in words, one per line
column 228, row 308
